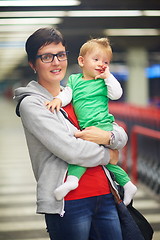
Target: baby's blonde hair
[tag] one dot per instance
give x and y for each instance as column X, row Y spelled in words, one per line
column 96, row 42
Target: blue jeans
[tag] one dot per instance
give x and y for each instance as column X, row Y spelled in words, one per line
column 93, row 218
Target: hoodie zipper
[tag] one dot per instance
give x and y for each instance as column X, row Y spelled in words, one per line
column 62, row 211
column 110, row 179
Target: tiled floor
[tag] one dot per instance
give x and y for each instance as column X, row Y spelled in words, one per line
column 18, row 220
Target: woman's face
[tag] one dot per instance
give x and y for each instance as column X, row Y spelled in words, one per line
column 50, row 73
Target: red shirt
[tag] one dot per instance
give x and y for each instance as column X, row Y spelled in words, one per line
column 94, row 181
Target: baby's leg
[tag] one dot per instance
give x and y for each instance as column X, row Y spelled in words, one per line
column 123, row 179
column 74, row 174
column 129, row 191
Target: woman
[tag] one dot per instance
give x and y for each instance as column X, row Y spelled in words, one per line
column 89, row 212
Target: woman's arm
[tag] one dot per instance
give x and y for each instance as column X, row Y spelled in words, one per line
column 100, row 136
column 95, row 135
column 51, row 131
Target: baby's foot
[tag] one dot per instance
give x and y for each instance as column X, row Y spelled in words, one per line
column 129, row 191
column 70, row 184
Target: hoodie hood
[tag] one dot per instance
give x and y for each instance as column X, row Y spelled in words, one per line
column 33, row 88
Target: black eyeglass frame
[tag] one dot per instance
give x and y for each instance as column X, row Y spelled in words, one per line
column 53, row 55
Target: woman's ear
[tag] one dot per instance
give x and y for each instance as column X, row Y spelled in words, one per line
column 80, row 61
column 32, row 66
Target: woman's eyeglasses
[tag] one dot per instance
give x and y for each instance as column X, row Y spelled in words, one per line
column 49, row 57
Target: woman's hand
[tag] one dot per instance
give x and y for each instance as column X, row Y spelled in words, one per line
column 94, row 134
column 99, row 136
column 114, row 156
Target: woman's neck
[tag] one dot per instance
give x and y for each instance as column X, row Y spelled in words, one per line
column 54, row 89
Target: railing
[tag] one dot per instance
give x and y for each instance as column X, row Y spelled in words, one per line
column 138, row 130
column 142, row 157
column 133, row 115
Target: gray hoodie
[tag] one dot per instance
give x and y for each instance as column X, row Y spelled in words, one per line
column 52, row 145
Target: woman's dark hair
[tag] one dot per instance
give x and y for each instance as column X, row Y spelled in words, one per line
column 42, row 37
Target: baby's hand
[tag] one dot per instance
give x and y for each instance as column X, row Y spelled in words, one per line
column 56, row 103
column 104, row 73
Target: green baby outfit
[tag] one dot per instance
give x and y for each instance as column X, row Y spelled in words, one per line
column 90, row 101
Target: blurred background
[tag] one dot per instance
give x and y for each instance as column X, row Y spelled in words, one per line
column 133, row 27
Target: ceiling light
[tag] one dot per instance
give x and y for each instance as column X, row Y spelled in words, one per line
column 20, row 21
column 22, row 3
column 21, row 28
column 33, row 14
column 83, row 13
column 104, row 13
column 18, row 36
column 151, row 13
column 132, row 32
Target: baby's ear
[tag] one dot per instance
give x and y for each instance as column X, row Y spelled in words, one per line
column 80, row 61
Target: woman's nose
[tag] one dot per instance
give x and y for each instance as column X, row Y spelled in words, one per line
column 55, row 61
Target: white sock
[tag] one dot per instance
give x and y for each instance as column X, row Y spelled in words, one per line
column 129, row 192
column 70, row 184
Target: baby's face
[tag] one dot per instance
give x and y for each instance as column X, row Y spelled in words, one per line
column 94, row 63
